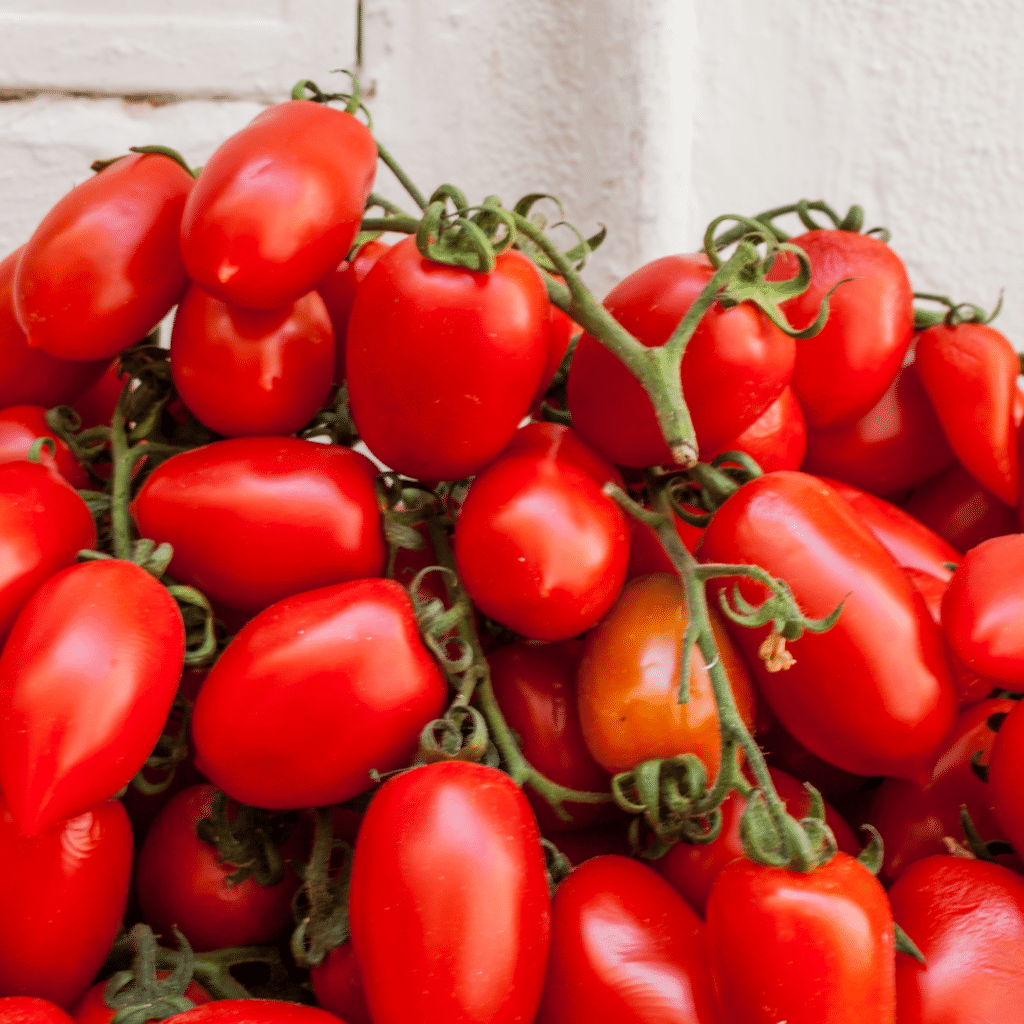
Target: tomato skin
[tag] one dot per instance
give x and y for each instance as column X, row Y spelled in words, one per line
column 43, row 526
column 560, row 332
column 253, row 520
column 30, row 376
column 443, row 362
column 103, row 267
column 91, row 1008
column 64, row 893
column 802, row 948
column 777, row 439
column 625, row 948
column 844, row 370
column 1006, row 778
column 31, row 1010
column 896, row 444
column 254, row 1011
column 628, row 682
column 278, row 204
column 647, row 556
column 970, row 373
column 87, row 677
column 967, row 918
column 735, row 366
column 21, row 425
column 180, row 882
column 96, row 406
column 540, row 548
column 338, row 986
column 449, row 906
column 562, row 444
column 867, row 706
column 318, row 689
column 247, row 372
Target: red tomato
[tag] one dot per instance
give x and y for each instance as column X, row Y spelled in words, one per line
column 777, row 439
column 313, row 693
column 540, row 548
column 736, row 365
column 896, row 444
column 96, row 406
column 92, row 1008
column 1006, row 778
column 873, row 695
column 256, row 519
column 30, row 376
column 844, row 371
column 647, row 556
column 31, row 1010
column 338, row 986
column 958, row 508
column 63, row 894
column 625, row 948
column 967, row 918
column 444, row 362
column 535, row 685
column 970, row 373
column 87, row 677
column 43, row 526
column 21, row 425
column 103, row 267
column 560, row 332
column 914, row 819
column 247, row 372
column 181, row 883
column 338, row 290
column 563, row 444
column 278, row 204
column 692, row 868
column 449, row 902
column 802, row 948
column 254, row 1011
column 628, row 682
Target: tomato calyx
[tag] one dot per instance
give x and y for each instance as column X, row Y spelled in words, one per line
column 170, row 750
column 852, row 222
column 974, row 847
column 955, row 312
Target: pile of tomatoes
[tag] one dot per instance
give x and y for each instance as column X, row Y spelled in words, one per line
column 381, row 651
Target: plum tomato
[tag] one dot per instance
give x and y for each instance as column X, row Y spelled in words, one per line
column 21, row 425
column 1006, row 777
column 777, row 439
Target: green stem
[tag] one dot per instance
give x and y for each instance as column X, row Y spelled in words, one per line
column 406, row 181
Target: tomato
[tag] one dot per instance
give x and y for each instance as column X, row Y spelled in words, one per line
column 560, row 332
column 338, row 290
column 898, row 443
column 253, row 520
column 103, row 267
column 777, row 439
column 21, row 425
column 564, row 445
column 245, row 371
column 1006, row 778
column 692, row 868
column 96, row 406
column 63, row 892
column 873, row 695
column 87, row 677
column 338, row 986
column 43, row 526
column 92, row 1008
column 970, row 373
column 254, row 1011
column 843, row 371
column 628, row 682
column 30, row 376
column 647, row 556
column 449, row 906
column 278, row 204
column 802, row 948
column 625, row 948
column 313, row 693
column 535, row 685
column 31, row 1010
column 735, row 366
column 967, row 918
column 444, row 362
column 914, row 819
column 540, row 548
column 181, row 883
column 958, row 508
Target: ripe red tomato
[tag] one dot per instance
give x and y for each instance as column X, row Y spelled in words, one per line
column 87, row 677
column 96, row 406
column 43, row 526
column 777, row 439
column 181, row 883
column 30, row 376
column 92, row 1008
column 21, row 425
column 313, row 693
column 247, row 372
column 63, row 894
column 256, row 519
column 628, row 682
column 873, row 695
column 967, row 918
column 647, row 556
column 103, row 267
column 31, row 1010
column 736, row 365
column 843, row 371
column 339, row 987
column 255, row 1011
column 563, row 444
column 1006, row 778
column 449, row 906
column 560, row 332
column 625, row 947
column 802, row 948
column 278, row 204
column 444, row 362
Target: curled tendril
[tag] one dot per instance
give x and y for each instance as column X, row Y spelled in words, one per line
column 460, row 735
